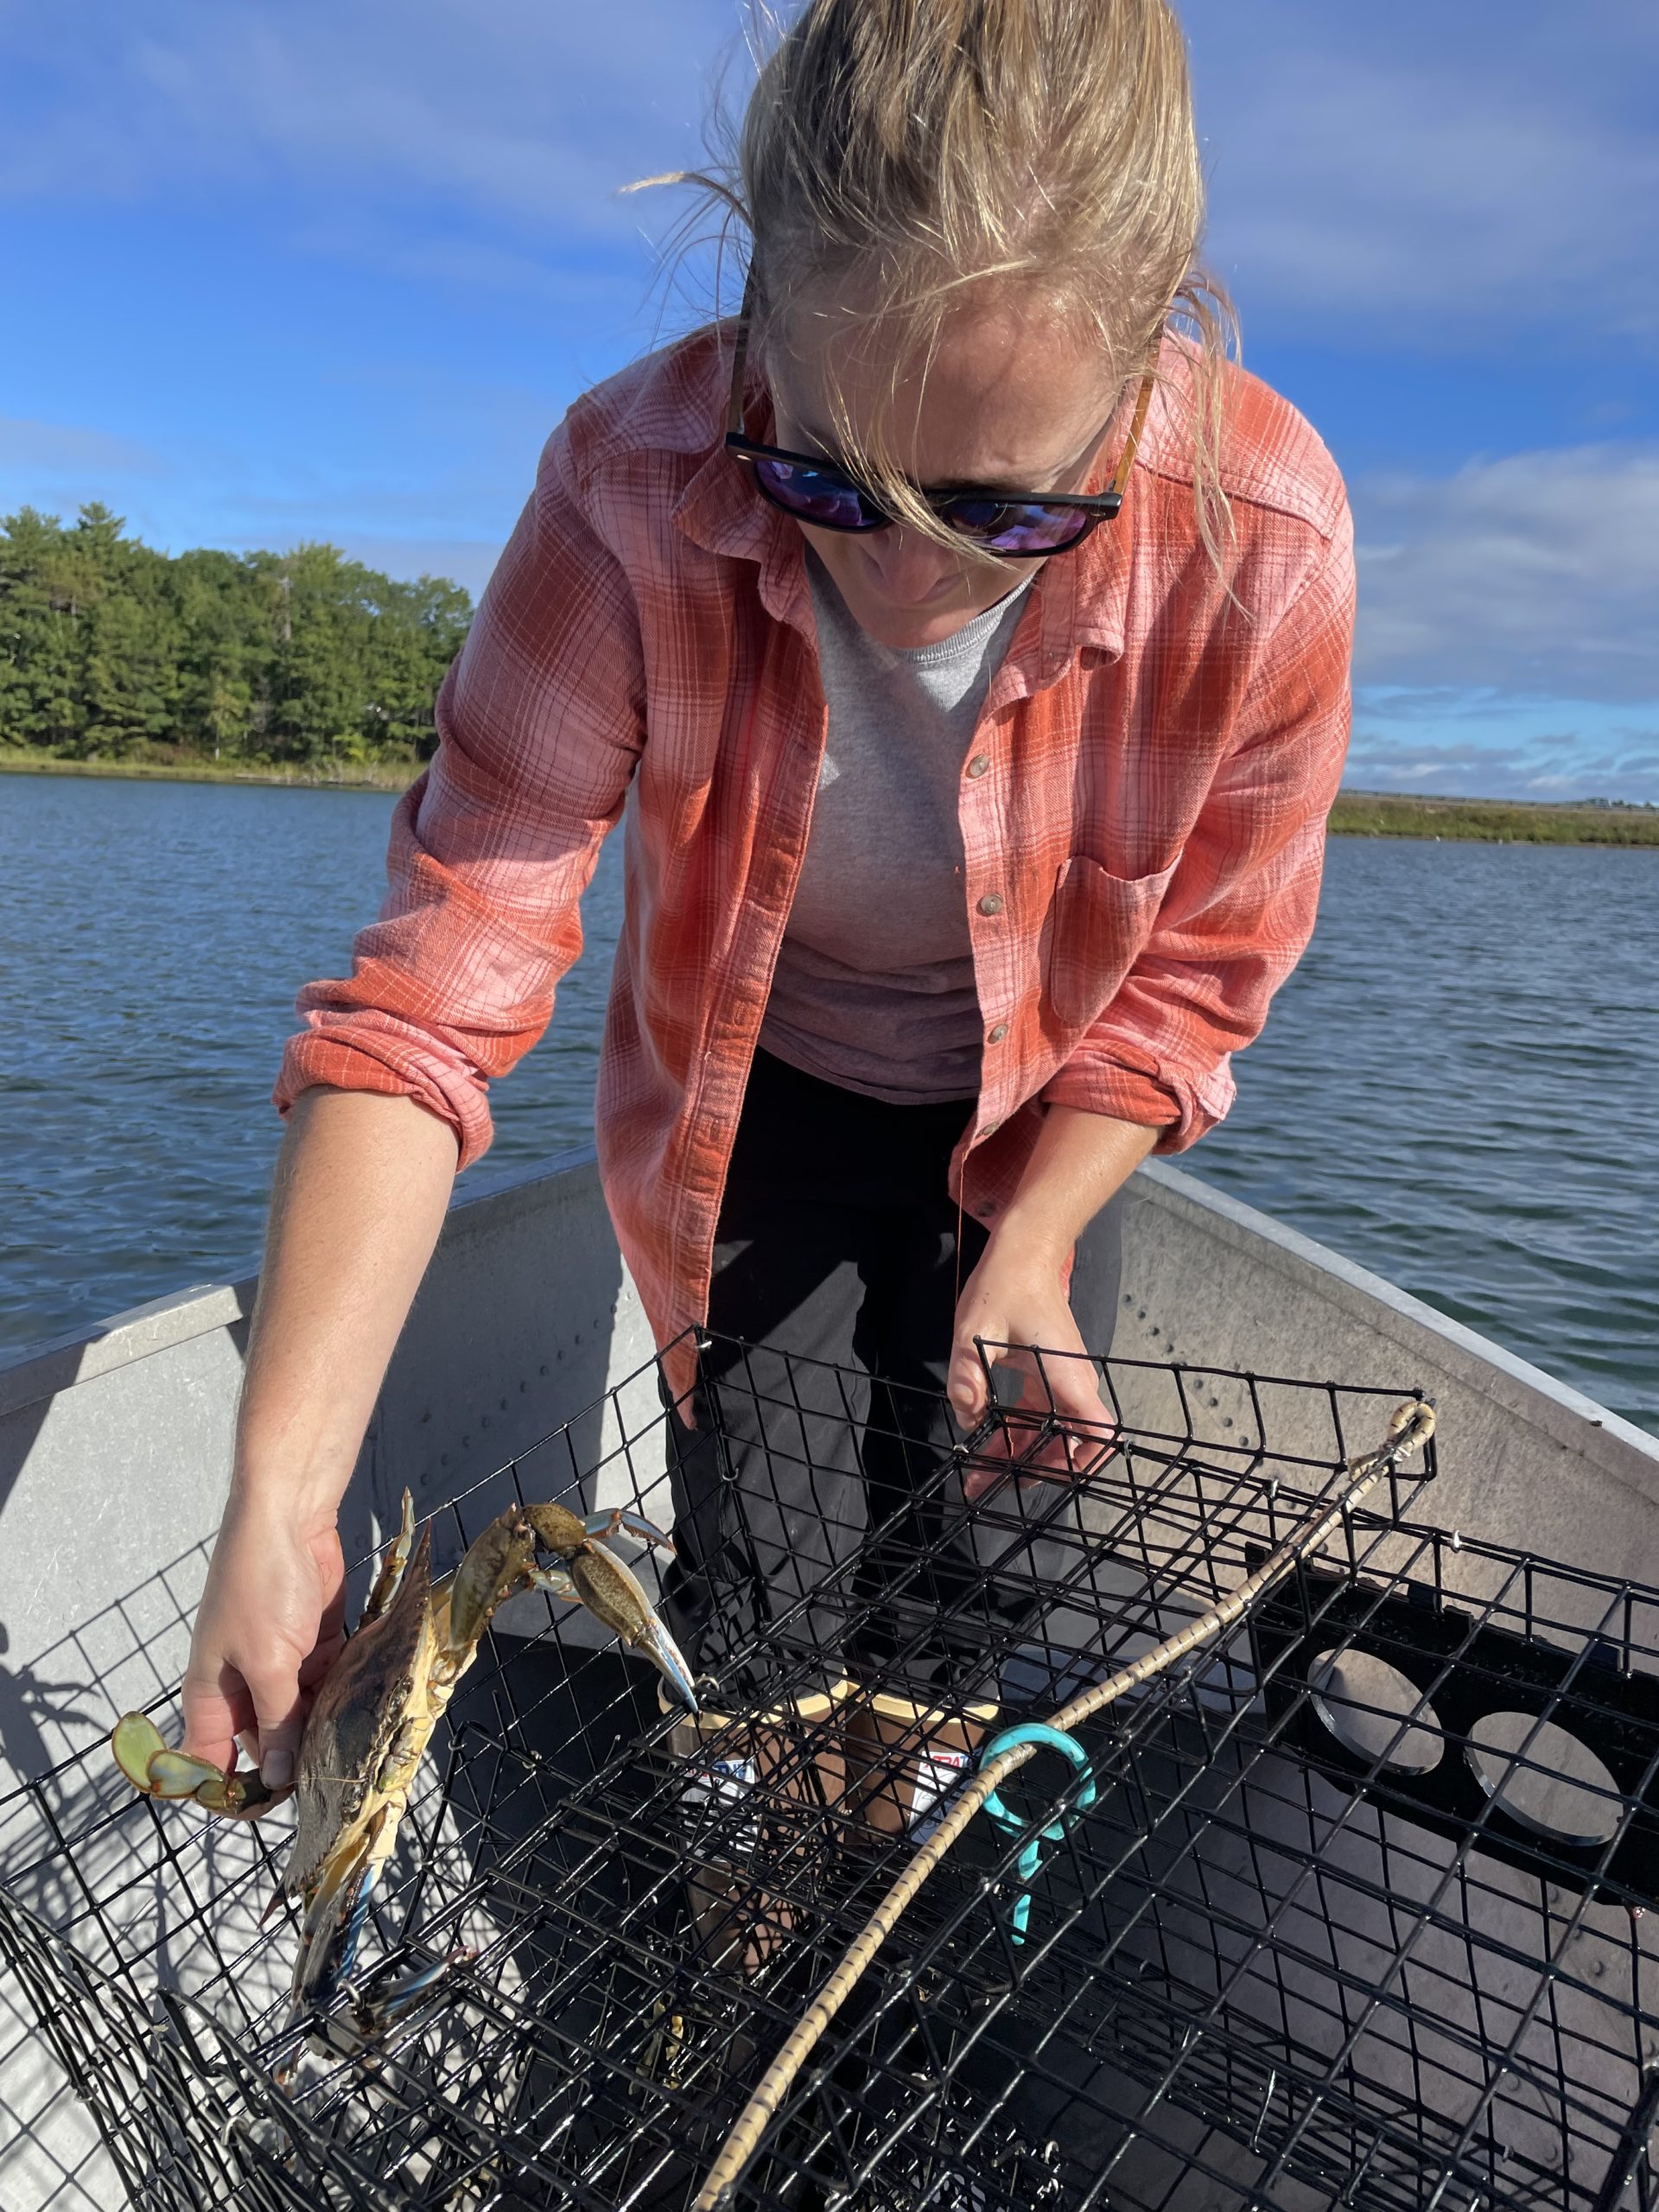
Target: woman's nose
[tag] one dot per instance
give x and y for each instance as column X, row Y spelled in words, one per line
column 907, row 566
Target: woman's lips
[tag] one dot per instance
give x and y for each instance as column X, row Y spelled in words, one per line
column 879, row 589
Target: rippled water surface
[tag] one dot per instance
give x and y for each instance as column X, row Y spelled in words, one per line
column 1458, row 1088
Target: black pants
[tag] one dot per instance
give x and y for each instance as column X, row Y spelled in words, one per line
column 818, row 1531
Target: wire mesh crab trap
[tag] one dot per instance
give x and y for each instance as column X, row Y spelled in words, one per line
column 1335, row 1897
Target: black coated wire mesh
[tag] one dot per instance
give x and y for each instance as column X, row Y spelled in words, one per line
column 1353, row 1914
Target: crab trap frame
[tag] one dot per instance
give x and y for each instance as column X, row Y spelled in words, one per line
column 1343, row 1905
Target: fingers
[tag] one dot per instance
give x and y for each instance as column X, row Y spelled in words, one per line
column 1056, row 1392
column 1074, row 1387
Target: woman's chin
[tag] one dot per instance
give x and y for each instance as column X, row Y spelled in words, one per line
column 910, row 626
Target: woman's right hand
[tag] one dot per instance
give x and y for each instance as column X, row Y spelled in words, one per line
column 361, row 1185
column 271, row 1625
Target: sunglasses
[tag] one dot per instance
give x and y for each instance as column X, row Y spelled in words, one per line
column 1009, row 526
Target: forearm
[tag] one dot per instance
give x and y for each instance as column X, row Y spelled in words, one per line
column 361, row 1186
column 1080, row 1161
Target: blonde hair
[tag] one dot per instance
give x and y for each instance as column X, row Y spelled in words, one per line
column 896, row 154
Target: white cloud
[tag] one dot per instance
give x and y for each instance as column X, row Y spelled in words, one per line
column 1434, row 176
column 527, row 112
column 1561, row 768
column 1536, row 573
column 1488, row 743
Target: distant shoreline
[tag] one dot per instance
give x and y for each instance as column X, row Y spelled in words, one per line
column 368, row 777
column 1492, row 821
column 1356, row 814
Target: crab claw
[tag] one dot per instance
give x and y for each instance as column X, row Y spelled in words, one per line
column 669, row 1660
column 150, row 1766
column 598, row 1579
column 619, row 1519
column 613, row 1593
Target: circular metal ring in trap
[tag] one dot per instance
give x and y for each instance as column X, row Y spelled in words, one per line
column 1375, row 1711
column 1544, row 1778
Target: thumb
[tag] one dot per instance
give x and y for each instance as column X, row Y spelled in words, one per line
column 279, row 1713
column 965, row 1381
column 212, row 1718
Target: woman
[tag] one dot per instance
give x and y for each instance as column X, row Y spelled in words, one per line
column 972, row 823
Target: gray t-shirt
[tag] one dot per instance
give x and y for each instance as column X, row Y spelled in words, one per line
column 874, row 985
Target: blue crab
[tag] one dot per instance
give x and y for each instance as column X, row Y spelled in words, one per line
column 375, row 1710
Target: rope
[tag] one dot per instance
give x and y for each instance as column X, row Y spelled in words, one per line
column 1411, row 1426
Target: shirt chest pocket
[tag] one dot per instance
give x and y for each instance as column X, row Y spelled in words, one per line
column 1099, row 924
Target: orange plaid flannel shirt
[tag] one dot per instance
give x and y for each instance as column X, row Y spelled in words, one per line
column 1142, row 806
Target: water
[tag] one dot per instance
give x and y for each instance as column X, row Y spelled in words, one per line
column 152, row 937
column 1456, row 1088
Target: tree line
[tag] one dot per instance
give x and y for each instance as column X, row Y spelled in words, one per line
column 109, row 649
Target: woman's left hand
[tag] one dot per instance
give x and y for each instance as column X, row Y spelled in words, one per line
column 1017, row 1296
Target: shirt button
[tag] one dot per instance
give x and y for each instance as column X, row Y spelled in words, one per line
column 991, row 903
column 979, row 764
column 990, row 1128
column 999, row 1032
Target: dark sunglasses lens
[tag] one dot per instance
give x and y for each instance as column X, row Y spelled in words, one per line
column 817, row 495
column 1025, row 526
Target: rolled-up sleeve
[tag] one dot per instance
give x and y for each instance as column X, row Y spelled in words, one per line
column 540, row 723
column 1240, row 906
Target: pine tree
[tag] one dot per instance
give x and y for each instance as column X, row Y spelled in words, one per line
column 109, row 648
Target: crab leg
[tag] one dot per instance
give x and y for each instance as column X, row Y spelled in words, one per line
column 387, row 1582
column 335, row 1913
column 497, row 1563
column 387, row 2001
column 143, row 1756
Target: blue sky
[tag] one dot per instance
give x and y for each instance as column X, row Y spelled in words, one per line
column 279, row 270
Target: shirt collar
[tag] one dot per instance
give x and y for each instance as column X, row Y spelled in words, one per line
column 721, row 510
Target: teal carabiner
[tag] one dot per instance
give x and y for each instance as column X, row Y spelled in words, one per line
column 1035, row 1731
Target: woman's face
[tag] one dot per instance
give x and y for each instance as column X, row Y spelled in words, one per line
column 1013, row 401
